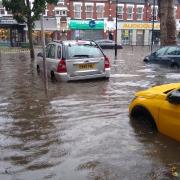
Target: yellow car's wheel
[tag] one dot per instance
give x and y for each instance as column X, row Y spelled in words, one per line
column 141, row 113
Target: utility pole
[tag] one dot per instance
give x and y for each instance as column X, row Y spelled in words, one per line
column 44, row 52
column 152, row 36
column 116, row 30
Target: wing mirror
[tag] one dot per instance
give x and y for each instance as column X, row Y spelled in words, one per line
column 40, row 54
column 174, row 97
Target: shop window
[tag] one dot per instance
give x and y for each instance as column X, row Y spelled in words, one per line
column 4, row 34
column 77, row 10
column 139, row 12
column 130, row 12
column 89, row 11
column 100, row 11
column 2, row 11
column 120, row 11
column 126, row 36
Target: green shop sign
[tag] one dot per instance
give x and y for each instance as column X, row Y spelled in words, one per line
column 86, row 24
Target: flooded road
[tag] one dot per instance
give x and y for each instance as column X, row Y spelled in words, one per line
column 81, row 131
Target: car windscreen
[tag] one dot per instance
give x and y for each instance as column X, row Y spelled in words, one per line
column 76, row 51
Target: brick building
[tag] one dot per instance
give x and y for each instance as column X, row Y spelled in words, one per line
column 95, row 19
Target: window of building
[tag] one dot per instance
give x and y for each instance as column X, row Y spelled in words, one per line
column 45, row 12
column 61, row 13
column 130, row 12
column 9, row 13
column 2, row 11
column 100, row 10
column 175, row 10
column 89, row 11
column 155, row 13
column 120, row 11
column 77, row 10
column 139, row 12
column 60, row 2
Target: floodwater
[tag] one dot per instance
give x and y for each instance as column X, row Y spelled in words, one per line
column 81, row 131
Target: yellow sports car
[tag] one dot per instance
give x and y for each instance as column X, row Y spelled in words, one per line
column 161, row 106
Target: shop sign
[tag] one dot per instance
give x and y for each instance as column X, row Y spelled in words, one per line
column 86, row 25
column 92, row 23
column 139, row 26
column 7, row 21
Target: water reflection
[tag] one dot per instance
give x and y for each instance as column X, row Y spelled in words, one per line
column 80, row 130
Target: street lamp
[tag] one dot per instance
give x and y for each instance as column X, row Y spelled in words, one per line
column 116, row 30
column 152, row 36
column 44, row 51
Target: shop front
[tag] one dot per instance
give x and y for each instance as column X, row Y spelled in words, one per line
column 86, row 29
column 136, row 33
column 12, row 34
column 50, row 30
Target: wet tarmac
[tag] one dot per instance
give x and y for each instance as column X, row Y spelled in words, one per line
column 81, row 131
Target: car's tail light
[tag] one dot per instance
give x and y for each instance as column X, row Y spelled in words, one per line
column 62, row 66
column 106, row 62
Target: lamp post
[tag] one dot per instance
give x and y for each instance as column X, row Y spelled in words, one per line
column 116, row 31
column 44, row 52
column 152, row 36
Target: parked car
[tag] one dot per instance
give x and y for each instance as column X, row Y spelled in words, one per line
column 160, row 105
column 108, row 44
column 74, row 60
column 168, row 55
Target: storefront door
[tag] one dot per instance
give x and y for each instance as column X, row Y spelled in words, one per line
column 140, row 37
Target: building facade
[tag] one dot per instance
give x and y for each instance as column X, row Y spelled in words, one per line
column 91, row 19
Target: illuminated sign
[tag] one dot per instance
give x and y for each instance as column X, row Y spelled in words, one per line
column 139, row 26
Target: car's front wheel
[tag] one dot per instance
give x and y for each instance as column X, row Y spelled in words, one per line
column 142, row 114
column 146, row 60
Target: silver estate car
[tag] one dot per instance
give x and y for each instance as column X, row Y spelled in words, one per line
column 74, row 60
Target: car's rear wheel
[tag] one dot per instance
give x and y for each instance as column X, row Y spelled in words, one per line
column 53, row 78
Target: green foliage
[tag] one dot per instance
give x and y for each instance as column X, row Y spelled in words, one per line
column 22, row 10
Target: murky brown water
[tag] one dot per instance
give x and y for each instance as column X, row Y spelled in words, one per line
column 81, row 130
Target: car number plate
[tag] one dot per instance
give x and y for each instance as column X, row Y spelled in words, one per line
column 87, row 66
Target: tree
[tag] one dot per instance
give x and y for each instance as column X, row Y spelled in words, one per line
column 167, row 22
column 24, row 13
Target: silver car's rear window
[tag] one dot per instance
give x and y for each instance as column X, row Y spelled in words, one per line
column 76, row 51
